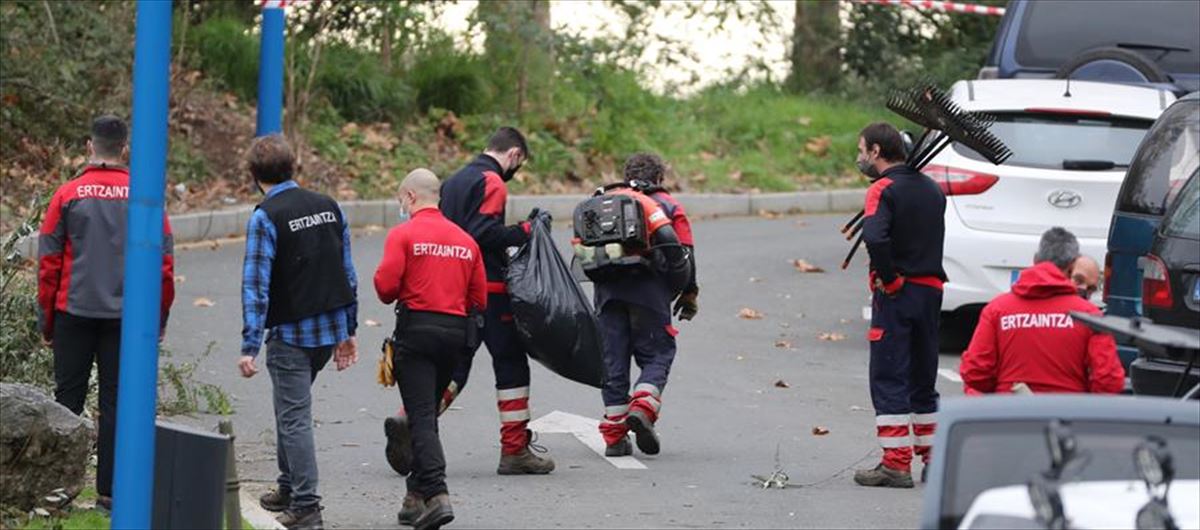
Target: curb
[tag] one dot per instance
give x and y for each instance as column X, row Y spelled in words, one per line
column 217, row 224
column 259, row 518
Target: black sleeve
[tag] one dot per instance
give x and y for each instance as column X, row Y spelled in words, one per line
column 692, row 286
column 678, row 266
column 492, row 235
column 877, row 230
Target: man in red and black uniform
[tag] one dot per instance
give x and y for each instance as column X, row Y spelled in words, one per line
column 635, row 313
column 904, row 232
column 81, row 279
column 1028, row 337
column 474, row 199
column 433, row 270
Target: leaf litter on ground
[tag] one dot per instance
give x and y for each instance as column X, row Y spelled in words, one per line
column 750, row 314
column 804, row 266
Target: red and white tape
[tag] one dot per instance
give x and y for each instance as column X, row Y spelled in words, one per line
column 277, row 4
column 949, row 7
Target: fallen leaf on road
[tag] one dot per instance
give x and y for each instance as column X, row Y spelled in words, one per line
column 179, row 278
column 805, row 266
column 820, row 431
column 832, row 337
column 740, row 358
column 785, row 325
column 749, row 314
column 203, row 302
column 783, row 344
column 755, row 280
column 845, row 321
column 371, row 323
column 856, row 408
column 801, row 222
column 782, row 384
column 767, row 214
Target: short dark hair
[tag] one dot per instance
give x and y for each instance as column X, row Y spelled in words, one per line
column 1059, row 247
column 885, row 135
column 646, row 167
column 109, row 135
column 271, row 159
column 506, row 138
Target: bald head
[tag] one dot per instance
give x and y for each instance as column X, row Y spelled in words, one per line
column 419, row 189
column 1085, row 273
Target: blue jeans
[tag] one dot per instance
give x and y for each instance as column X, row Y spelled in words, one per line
column 293, row 371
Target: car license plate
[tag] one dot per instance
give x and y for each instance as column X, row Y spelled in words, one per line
column 1013, row 276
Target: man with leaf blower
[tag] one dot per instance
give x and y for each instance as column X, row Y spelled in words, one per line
column 635, row 242
column 904, row 231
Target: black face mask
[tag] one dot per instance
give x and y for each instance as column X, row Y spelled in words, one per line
column 510, row 173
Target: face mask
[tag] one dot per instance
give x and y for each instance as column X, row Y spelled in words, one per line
column 510, row 173
column 867, row 168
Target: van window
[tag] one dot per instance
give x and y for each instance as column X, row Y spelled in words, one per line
column 1053, row 33
column 1045, row 140
column 1184, row 221
column 1169, row 154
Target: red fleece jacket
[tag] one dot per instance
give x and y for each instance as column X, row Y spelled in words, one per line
column 1028, row 336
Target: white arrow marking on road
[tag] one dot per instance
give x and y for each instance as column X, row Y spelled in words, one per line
column 585, row 430
column 950, row 374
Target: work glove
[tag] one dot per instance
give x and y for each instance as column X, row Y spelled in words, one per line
column 537, row 213
column 890, row 289
column 686, row 306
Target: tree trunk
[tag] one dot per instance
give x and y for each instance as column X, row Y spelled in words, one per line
column 816, row 46
column 519, row 45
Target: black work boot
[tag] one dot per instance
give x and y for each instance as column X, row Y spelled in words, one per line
column 413, row 507
column 276, row 500
column 437, row 513
column 399, row 444
column 302, row 518
column 643, row 428
column 883, row 477
column 525, row 462
column 622, row 448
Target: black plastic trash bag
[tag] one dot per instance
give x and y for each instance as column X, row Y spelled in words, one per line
column 553, row 316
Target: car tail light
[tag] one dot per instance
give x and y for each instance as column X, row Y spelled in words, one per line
column 955, row 181
column 1108, row 267
column 1156, row 282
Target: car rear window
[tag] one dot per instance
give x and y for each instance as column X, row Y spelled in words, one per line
column 1184, row 220
column 1046, row 140
column 1169, row 154
column 1053, row 33
column 985, row 455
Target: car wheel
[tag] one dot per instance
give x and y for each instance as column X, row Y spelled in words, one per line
column 1110, row 63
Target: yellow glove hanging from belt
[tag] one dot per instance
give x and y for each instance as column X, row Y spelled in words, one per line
column 386, row 376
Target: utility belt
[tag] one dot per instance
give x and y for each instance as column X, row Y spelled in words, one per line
column 406, row 319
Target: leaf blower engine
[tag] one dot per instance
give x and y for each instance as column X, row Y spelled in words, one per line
column 610, row 237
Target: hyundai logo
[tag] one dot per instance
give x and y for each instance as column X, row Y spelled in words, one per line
column 1064, row 199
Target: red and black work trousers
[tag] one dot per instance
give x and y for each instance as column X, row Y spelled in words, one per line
column 646, row 337
column 79, row 342
column 903, row 371
column 510, row 363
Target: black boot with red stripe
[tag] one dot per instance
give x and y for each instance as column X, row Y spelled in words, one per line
column 643, row 427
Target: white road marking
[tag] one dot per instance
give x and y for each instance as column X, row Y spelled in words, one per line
column 950, row 374
column 585, row 430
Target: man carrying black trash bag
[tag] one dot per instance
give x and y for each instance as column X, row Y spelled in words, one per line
column 433, row 270
column 635, row 281
column 474, row 198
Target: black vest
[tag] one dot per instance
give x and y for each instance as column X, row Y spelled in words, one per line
column 308, row 275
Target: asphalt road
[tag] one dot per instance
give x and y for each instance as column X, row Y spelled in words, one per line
column 725, row 417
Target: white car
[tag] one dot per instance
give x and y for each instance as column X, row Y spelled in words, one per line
column 1071, row 147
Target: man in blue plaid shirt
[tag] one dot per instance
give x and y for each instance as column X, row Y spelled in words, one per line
column 298, row 285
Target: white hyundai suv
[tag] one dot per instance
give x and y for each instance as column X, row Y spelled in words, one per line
column 1071, row 146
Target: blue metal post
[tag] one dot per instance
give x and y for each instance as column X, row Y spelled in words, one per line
column 270, row 73
column 133, row 474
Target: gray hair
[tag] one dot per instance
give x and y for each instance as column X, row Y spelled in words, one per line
column 1059, row 247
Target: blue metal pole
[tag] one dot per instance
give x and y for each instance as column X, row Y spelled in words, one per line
column 133, row 474
column 270, row 73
